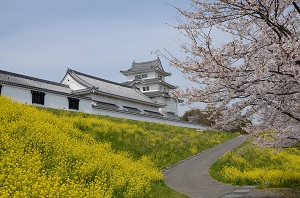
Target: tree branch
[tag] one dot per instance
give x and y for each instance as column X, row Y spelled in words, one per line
column 296, row 6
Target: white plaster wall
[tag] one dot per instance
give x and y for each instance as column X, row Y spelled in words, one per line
column 17, row 94
column 59, row 101
column 51, row 100
column 150, row 75
column 139, row 106
column 85, row 106
column 144, row 118
column 62, row 102
column 157, row 76
column 103, row 98
column 68, row 80
column 56, row 101
column 172, row 105
column 153, row 87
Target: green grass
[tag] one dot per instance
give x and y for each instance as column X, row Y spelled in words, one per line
column 165, row 144
column 160, row 190
column 267, row 168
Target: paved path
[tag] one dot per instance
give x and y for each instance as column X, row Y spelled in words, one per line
column 191, row 176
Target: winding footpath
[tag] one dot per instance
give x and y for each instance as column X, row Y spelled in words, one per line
column 191, row 176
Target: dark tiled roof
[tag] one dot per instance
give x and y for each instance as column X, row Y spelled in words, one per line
column 31, row 82
column 141, row 66
column 111, row 88
column 146, row 66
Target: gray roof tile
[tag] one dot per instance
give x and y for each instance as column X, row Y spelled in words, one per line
column 146, row 66
column 112, row 88
column 31, row 82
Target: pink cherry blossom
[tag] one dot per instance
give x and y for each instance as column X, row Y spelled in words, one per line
column 256, row 73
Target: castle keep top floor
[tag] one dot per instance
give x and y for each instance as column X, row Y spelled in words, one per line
column 146, row 70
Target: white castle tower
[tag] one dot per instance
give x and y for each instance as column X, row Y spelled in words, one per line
column 149, row 77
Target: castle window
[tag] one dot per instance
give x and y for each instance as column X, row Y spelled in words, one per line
column 146, row 88
column 38, row 97
column 159, row 77
column 73, row 103
column 141, row 76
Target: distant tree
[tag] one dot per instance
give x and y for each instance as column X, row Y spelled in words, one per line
column 196, row 115
column 205, row 118
column 256, row 72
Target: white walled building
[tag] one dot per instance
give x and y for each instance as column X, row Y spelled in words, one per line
column 82, row 92
column 149, row 77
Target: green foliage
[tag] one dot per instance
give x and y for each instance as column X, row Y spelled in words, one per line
column 202, row 117
column 250, row 165
column 196, row 115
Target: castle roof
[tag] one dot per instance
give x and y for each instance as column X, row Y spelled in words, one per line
column 92, row 84
column 142, row 67
column 109, row 88
column 19, row 80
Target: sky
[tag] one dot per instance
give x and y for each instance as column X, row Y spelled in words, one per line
column 42, row 38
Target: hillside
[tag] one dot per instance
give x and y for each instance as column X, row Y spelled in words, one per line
column 46, row 152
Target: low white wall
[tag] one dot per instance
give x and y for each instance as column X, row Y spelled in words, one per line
column 121, row 103
column 52, row 100
column 56, row 101
column 73, row 84
column 17, row 94
column 146, row 118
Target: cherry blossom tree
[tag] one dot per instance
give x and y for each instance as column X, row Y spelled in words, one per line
column 257, row 72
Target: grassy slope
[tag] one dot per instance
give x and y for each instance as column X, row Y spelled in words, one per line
column 268, row 168
column 165, row 144
column 64, row 152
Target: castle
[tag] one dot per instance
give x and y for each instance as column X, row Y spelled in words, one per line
column 144, row 96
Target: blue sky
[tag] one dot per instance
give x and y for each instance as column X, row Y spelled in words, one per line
column 41, row 38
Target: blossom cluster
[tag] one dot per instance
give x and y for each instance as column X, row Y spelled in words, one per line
column 245, row 57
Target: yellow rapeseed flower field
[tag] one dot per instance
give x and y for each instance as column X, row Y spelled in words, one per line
column 42, row 155
column 266, row 167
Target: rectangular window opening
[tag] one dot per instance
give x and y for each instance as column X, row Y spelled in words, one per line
column 38, row 97
column 73, row 103
column 146, row 88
